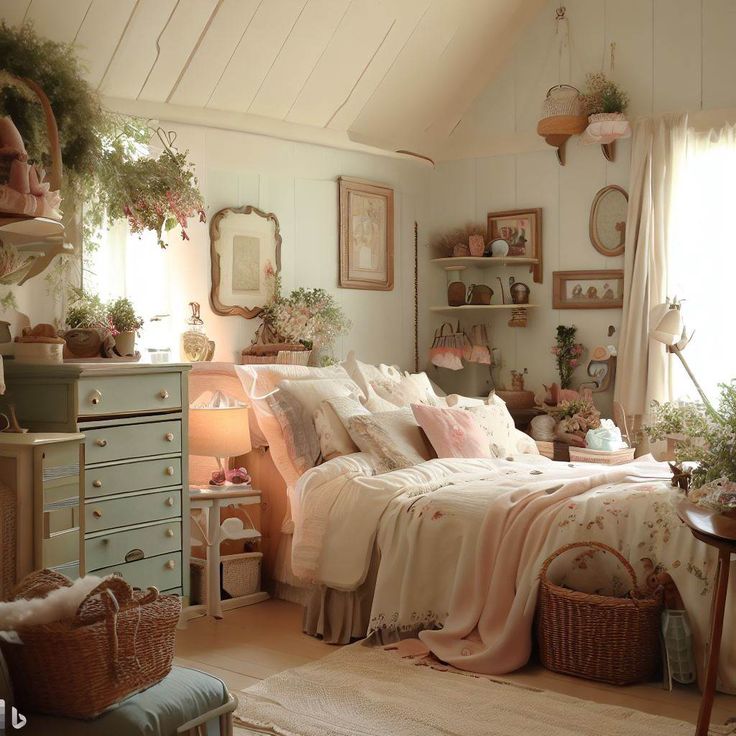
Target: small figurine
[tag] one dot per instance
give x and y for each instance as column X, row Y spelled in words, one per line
column 517, row 380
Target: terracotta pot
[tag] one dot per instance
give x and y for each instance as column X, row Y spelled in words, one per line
column 125, row 343
column 83, row 342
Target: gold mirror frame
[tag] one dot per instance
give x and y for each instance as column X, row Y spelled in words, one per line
column 594, row 239
column 218, row 307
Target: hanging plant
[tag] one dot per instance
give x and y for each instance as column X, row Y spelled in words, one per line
column 105, row 156
column 603, row 95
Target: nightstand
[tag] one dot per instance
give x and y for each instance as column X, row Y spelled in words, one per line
column 211, row 499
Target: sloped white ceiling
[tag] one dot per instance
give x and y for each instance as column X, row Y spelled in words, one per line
column 393, row 74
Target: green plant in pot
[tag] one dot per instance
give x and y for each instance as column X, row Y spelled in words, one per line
column 86, row 319
column 123, row 323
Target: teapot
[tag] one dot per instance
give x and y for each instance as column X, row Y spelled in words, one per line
column 479, row 294
column 519, row 291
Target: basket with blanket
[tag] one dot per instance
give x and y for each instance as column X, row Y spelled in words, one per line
column 77, row 659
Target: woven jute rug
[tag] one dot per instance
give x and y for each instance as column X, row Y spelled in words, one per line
column 367, row 691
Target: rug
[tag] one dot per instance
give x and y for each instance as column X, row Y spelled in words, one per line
column 366, row 691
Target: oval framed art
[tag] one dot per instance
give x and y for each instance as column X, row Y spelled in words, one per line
column 608, row 220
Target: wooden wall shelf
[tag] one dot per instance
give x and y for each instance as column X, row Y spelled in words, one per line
column 481, row 307
column 451, row 264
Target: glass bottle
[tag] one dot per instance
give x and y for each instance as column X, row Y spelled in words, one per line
column 195, row 346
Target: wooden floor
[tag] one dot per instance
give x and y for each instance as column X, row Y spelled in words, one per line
column 258, row 641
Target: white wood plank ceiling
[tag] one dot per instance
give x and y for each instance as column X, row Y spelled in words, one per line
column 393, row 74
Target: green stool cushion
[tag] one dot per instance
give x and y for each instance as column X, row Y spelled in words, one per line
column 181, row 696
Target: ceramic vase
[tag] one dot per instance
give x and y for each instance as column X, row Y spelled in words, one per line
column 476, row 245
column 125, row 343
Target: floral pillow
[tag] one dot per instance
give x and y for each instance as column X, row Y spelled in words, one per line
column 503, row 437
column 452, row 432
column 331, row 419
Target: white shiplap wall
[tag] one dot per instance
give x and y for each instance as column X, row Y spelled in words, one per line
column 670, row 55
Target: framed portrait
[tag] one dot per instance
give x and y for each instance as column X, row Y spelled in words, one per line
column 245, row 252
column 521, row 231
column 588, row 289
column 608, row 220
column 366, row 235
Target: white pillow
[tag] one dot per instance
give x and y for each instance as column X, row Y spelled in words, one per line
column 261, row 380
column 457, row 401
column 364, row 373
column 375, row 404
column 392, row 439
column 503, row 437
column 422, row 382
column 404, row 392
column 330, row 421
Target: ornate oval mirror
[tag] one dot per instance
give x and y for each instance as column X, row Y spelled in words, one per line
column 244, row 242
column 608, row 220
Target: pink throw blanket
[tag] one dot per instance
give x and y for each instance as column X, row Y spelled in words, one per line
column 489, row 626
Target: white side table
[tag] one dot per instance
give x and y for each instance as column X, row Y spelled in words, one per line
column 211, row 499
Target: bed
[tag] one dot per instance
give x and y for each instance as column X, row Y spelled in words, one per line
column 439, row 544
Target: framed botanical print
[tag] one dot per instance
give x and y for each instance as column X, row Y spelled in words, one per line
column 245, row 252
column 366, row 235
column 518, row 234
column 588, row 289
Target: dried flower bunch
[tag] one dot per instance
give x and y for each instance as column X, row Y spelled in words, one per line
column 567, row 354
column 445, row 242
column 707, row 439
column 603, row 95
column 576, row 416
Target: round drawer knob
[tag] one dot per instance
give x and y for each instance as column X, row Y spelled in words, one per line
column 101, row 443
column 170, row 565
column 163, row 394
column 97, row 483
column 169, row 501
column 169, row 436
column 170, row 470
column 97, row 514
column 95, row 397
column 169, row 533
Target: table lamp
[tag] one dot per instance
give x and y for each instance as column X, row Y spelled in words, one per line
column 218, row 427
column 668, row 327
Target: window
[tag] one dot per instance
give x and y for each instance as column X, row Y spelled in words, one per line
column 702, row 260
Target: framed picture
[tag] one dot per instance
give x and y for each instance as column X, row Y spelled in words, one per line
column 366, row 235
column 245, row 250
column 588, row 289
column 608, row 220
column 522, row 230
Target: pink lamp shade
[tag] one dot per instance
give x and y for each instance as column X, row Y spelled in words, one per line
column 218, row 427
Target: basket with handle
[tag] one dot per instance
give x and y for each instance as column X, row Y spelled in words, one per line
column 118, row 643
column 598, row 637
column 563, row 112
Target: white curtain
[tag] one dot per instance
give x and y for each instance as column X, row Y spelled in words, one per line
column 657, row 158
column 702, row 260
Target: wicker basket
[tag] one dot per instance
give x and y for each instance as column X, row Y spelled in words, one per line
column 281, row 354
column 613, row 640
column 602, row 457
column 563, row 112
column 241, row 575
column 118, row 643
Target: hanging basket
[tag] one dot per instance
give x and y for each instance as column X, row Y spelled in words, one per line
column 606, row 127
column 563, row 112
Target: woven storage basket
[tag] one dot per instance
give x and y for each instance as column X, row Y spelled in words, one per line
column 118, row 643
column 613, row 640
column 240, row 575
column 563, row 112
column 281, row 354
column 602, row 457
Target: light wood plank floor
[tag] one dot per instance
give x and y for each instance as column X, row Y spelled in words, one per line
column 252, row 643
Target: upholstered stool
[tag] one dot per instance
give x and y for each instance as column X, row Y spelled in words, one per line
column 185, row 703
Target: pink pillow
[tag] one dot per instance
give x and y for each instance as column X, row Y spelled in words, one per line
column 452, row 432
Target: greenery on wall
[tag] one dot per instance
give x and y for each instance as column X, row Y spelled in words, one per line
column 106, row 165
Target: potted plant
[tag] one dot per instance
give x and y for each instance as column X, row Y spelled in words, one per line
column 85, row 319
column 606, row 105
column 567, row 354
column 123, row 323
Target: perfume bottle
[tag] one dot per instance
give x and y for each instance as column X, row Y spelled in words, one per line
column 195, row 346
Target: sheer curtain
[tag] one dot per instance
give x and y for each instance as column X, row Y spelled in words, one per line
column 702, row 259
column 657, row 158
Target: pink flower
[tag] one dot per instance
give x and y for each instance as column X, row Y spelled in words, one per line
column 574, row 363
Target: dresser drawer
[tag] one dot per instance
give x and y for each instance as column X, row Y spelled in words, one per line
column 128, row 477
column 164, row 572
column 116, row 512
column 129, row 394
column 113, row 548
column 106, row 444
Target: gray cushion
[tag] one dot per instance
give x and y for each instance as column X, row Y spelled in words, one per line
column 180, row 697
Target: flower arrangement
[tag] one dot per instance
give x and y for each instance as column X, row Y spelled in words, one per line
column 121, row 316
column 602, row 95
column 311, row 317
column 702, row 438
column 567, row 354
column 576, row 416
column 446, row 243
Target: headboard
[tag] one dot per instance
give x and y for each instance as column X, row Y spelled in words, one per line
column 266, row 478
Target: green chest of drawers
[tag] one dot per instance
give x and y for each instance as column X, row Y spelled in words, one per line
column 134, row 419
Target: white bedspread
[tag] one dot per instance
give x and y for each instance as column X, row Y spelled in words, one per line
column 426, row 522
